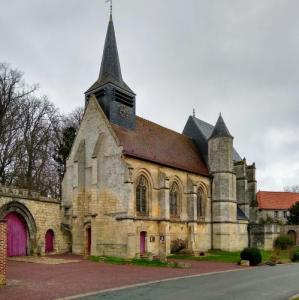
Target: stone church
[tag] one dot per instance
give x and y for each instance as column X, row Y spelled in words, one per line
column 133, row 187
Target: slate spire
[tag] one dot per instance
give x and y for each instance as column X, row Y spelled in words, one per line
column 116, row 99
column 220, row 129
column 110, row 71
column 110, row 60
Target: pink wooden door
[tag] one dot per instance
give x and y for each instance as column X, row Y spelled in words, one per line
column 142, row 242
column 49, row 241
column 16, row 235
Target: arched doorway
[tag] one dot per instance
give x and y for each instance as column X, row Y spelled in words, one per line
column 49, row 241
column 142, row 242
column 17, row 235
column 88, row 240
column 292, row 236
column 25, row 217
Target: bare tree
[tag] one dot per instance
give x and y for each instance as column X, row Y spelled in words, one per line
column 65, row 132
column 74, row 118
column 37, row 143
column 35, row 139
column 12, row 92
column 292, row 188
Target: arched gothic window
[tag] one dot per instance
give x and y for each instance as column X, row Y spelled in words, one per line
column 174, row 200
column 142, row 195
column 200, row 200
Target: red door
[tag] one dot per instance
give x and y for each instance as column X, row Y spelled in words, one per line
column 88, row 234
column 142, row 242
column 16, row 235
column 49, row 241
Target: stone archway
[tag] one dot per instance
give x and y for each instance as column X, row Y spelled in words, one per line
column 292, row 235
column 18, row 209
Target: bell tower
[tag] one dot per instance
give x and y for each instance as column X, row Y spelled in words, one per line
column 113, row 94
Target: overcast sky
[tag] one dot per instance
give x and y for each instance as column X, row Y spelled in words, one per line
column 240, row 57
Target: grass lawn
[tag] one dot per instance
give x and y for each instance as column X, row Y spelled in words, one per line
column 212, row 255
column 123, row 261
column 229, row 257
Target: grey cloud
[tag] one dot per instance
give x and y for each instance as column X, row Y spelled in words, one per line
column 239, row 57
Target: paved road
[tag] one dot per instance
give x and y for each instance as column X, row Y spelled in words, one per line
column 275, row 283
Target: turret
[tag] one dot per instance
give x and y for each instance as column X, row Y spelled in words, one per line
column 224, row 202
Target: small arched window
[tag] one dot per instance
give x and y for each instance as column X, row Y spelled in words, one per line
column 141, row 195
column 200, row 200
column 174, row 200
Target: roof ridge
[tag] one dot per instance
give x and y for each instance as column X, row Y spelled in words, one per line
column 138, row 117
column 285, row 192
column 197, row 119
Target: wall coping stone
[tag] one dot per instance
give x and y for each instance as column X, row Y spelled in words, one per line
column 19, row 193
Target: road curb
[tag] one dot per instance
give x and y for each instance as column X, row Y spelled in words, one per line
column 147, row 283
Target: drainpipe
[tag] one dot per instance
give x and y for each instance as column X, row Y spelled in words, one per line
column 212, row 221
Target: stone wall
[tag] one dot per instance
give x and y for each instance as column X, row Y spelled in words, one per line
column 246, row 187
column 3, row 252
column 262, row 214
column 263, row 235
column 40, row 215
column 292, row 231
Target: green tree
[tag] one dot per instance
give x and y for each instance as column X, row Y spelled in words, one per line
column 293, row 218
column 62, row 151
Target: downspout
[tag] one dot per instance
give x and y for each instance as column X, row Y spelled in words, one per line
column 212, row 221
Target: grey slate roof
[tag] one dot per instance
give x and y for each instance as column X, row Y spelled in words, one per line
column 240, row 214
column 110, row 71
column 220, row 129
column 200, row 131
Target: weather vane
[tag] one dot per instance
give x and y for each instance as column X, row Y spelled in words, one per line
column 107, row 1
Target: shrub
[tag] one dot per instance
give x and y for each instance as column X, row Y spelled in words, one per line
column 254, row 256
column 295, row 255
column 178, row 245
column 283, row 242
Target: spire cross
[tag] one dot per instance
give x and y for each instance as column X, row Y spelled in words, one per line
column 111, row 5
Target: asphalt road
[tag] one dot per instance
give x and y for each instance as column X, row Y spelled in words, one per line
column 279, row 282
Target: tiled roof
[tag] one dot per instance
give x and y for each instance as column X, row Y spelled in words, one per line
column 152, row 142
column 276, row 200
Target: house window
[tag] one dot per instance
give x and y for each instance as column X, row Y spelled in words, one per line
column 276, row 214
column 173, row 200
column 199, row 203
column 141, row 195
column 285, row 214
